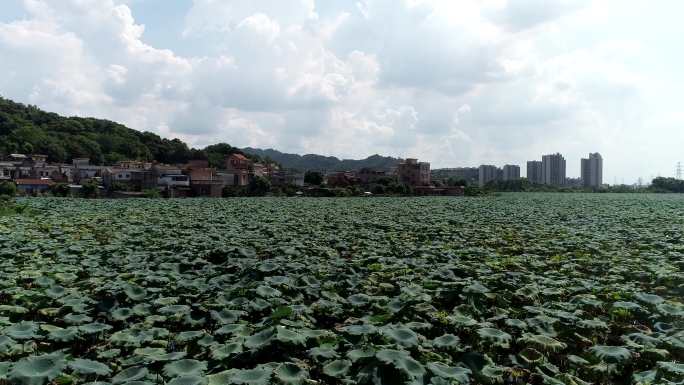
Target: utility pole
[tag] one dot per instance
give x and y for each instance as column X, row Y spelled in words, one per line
column 679, row 170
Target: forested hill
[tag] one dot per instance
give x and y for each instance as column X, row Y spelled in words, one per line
column 320, row 162
column 28, row 129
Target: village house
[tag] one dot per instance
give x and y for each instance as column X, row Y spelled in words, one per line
column 280, row 178
column 203, row 179
column 33, row 186
column 414, row 173
column 341, row 179
column 237, row 170
column 368, row 175
column 83, row 171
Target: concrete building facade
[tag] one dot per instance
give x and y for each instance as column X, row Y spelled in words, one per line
column 553, row 169
column 534, row 172
column 414, row 173
column 592, row 171
column 488, row 173
column 511, row 172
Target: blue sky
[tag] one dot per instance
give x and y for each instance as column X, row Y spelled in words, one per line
column 454, row 83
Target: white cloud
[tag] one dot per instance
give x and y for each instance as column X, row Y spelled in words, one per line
column 455, row 83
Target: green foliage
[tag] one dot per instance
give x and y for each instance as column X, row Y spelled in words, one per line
column 313, row 178
column 517, row 288
column 259, row 186
column 60, row 190
column 152, row 193
column 90, row 189
column 27, row 129
column 8, row 189
column 670, row 185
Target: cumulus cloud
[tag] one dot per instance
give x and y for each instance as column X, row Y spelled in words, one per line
column 455, row 83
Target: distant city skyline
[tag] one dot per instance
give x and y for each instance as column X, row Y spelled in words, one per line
column 451, row 83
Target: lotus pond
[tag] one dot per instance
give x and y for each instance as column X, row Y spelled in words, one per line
column 522, row 288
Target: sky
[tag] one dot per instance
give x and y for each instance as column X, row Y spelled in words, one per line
column 454, row 83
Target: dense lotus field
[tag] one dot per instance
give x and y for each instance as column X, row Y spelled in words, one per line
column 540, row 289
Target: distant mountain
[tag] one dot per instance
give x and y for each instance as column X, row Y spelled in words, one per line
column 323, row 163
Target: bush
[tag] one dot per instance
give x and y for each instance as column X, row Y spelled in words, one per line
column 234, row 191
column 60, row 190
column 152, row 193
column 90, row 190
column 8, row 188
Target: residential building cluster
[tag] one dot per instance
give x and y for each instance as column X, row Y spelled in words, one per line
column 32, row 175
column 550, row 170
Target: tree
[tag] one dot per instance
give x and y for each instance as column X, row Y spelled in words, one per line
column 60, row 190
column 8, row 189
column 90, row 190
column 314, row 178
column 259, row 186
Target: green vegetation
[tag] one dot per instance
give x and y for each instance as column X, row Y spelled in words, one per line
column 521, row 288
column 27, row 129
column 8, row 189
column 320, row 162
column 667, row 185
column 313, row 178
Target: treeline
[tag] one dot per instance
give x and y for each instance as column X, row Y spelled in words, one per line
column 658, row 185
column 670, row 185
column 29, row 130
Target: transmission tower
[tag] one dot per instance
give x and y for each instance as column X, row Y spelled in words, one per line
column 679, row 170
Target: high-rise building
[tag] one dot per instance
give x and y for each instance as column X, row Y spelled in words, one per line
column 592, row 171
column 534, row 172
column 511, row 172
column 553, row 169
column 488, row 174
column 414, row 173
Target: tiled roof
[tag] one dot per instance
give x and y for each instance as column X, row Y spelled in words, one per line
column 35, row 182
column 239, row 156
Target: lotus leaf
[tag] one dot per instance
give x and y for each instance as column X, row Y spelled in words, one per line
column 402, row 360
column 94, row 328
column 323, row 352
column 650, row 299
column 543, row 342
column 260, row 339
column 77, row 319
column 185, row 367
column 135, row 293
column 188, row 380
column 289, row 373
column 122, row 314
column 446, row 341
column 611, row 354
column 402, row 336
column 337, row 368
column 460, row 374
column 36, row 370
column 89, row 367
column 131, row 374
column 24, row 330
column 64, row 335
column 495, row 336
column 257, row 376
column 221, row 352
